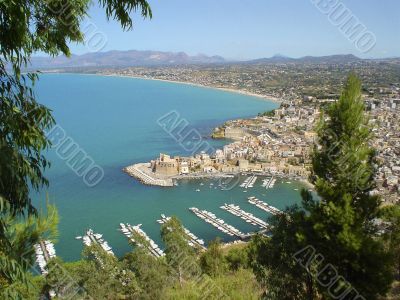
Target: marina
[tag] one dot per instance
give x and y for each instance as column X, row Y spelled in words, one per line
column 264, row 206
column 44, row 252
column 193, row 240
column 218, row 223
column 269, row 182
column 249, row 182
column 140, row 238
column 246, row 216
column 91, row 238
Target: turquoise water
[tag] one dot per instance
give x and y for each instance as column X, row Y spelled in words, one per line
column 114, row 120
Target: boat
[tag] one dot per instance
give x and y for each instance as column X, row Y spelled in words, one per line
column 197, row 190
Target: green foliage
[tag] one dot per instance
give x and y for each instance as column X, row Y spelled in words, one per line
column 27, row 27
column 212, row 262
column 32, row 290
column 272, row 262
column 237, row 258
column 269, row 113
column 338, row 226
column 151, row 273
column 16, row 247
column 391, row 236
column 179, row 254
column 240, row 285
column 99, row 275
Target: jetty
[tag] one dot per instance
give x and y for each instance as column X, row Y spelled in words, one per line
column 268, row 182
column 193, row 240
column 218, row 223
column 246, row 216
column 138, row 171
column 44, row 252
column 272, row 183
column 249, row 182
column 264, row 206
column 91, row 238
column 140, row 238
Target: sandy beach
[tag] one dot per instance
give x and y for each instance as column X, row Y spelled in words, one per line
column 231, row 90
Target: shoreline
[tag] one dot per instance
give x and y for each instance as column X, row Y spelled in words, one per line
column 194, row 176
column 230, row 90
column 225, row 89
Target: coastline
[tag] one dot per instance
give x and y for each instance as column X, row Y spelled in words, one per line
column 230, row 90
column 167, row 182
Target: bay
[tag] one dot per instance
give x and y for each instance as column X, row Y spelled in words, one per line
column 114, row 120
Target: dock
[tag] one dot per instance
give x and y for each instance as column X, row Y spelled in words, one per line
column 91, row 238
column 249, row 182
column 269, row 182
column 246, row 216
column 138, row 171
column 264, row 206
column 135, row 233
column 193, row 240
column 44, row 252
column 218, row 223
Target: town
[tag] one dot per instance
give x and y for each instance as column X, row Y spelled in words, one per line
column 279, row 142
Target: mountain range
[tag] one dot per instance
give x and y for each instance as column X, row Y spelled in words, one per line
column 158, row 58
column 124, row 59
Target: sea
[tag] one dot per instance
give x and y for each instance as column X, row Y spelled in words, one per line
column 115, row 122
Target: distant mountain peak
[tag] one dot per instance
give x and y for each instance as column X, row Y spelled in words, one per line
column 337, row 58
column 127, row 58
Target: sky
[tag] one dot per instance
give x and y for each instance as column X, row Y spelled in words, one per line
column 248, row 29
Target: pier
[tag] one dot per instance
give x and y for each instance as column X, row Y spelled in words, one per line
column 95, row 238
column 193, row 240
column 44, row 252
column 138, row 171
column 248, row 217
column 264, row 206
column 218, row 223
column 135, row 234
column 249, row 182
column 269, row 182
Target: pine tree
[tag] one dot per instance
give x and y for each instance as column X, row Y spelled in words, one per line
column 179, row 254
column 337, row 227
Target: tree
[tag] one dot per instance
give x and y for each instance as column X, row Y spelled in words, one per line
column 339, row 226
column 17, row 252
column 391, row 236
column 237, row 258
column 98, row 275
column 179, row 254
column 151, row 273
column 212, row 262
column 28, row 26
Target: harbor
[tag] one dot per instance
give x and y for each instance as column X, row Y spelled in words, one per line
column 142, row 173
column 249, row 182
column 137, row 236
column 91, row 238
column 246, row 216
column 218, row 223
column 193, row 240
column 264, row 206
column 269, row 182
column 44, row 252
